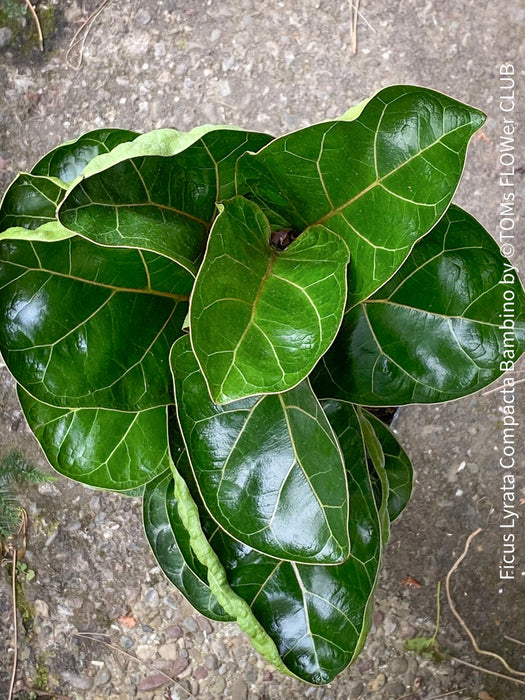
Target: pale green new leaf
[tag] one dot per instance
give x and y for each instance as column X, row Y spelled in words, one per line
column 317, row 616
column 170, row 542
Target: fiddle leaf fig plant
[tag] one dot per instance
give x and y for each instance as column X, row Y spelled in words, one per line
column 203, row 320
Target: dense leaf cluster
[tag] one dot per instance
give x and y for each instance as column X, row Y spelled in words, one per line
column 201, row 319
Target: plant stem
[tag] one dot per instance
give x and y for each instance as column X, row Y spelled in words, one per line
column 438, row 611
column 15, row 626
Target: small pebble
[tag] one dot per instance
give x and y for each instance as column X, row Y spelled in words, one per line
column 143, row 17
column 219, row 686
column 211, row 662
column 394, row 690
column 200, row 673
column 77, row 681
column 41, row 608
column 64, row 611
column 152, row 597
column 152, row 682
column 179, row 666
column 376, row 683
column 145, row 652
column 160, row 49
column 205, row 625
column 190, row 624
column 399, row 666
column 239, row 690
column 127, row 642
column 357, row 690
column 174, row 631
column 169, row 652
column 102, row 677
column 5, row 36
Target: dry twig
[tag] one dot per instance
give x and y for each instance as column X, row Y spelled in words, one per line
column 82, row 41
column 15, row 625
column 464, row 624
column 37, row 23
column 94, row 637
column 434, row 697
column 500, row 386
column 354, row 6
column 486, row 670
column 17, row 544
column 513, row 639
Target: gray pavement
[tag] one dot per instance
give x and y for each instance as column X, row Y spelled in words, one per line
column 272, row 66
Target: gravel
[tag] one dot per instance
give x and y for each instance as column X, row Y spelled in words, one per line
column 274, row 67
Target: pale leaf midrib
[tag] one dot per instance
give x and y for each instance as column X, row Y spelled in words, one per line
column 103, row 285
column 379, row 180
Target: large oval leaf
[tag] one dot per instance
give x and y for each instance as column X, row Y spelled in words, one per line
column 435, row 331
column 381, row 181
column 318, row 616
column 107, row 449
column 68, row 160
column 32, row 199
column 170, row 542
column 158, row 193
column 259, row 318
column 86, row 331
column 30, row 204
column 261, row 465
column 81, row 325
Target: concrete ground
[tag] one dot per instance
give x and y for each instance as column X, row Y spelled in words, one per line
column 272, row 66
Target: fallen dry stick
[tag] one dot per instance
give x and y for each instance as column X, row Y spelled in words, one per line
column 464, row 624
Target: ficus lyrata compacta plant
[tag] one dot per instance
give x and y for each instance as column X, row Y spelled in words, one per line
column 204, row 320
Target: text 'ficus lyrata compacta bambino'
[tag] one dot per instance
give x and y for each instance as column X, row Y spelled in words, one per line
column 201, row 319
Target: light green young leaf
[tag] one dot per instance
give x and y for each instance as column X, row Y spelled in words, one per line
column 317, row 616
column 170, row 542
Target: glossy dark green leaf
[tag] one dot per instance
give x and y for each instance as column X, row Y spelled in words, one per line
column 434, row 332
column 170, row 543
column 68, row 160
column 261, row 465
column 377, row 472
column 318, row 616
column 261, row 318
column 108, row 449
column 381, row 181
column 86, row 331
column 158, row 192
column 32, row 199
column 30, row 202
column 397, row 466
